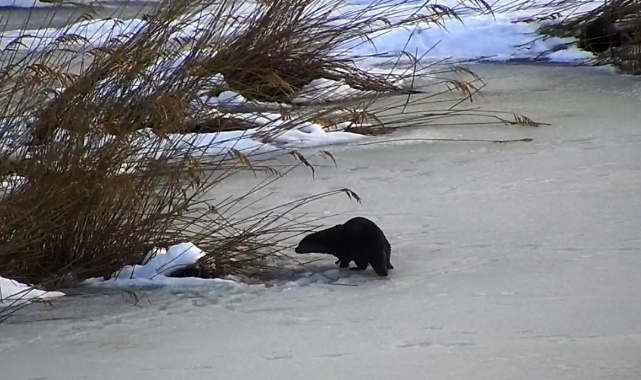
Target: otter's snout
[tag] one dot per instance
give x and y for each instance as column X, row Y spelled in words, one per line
column 381, row 271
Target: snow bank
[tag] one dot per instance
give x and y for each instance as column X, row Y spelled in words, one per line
column 488, row 37
column 14, row 293
column 162, row 262
column 494, row 38
column 480, row 37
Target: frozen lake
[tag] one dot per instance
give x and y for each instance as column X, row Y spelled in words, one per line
column 513, row 261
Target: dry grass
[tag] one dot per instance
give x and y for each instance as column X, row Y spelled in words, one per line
column 104, row 170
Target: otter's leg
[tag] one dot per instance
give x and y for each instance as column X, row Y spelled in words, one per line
column 389, row 263
column 343, row 261
column 388, row 253
column 361, row 263
column 380, row 262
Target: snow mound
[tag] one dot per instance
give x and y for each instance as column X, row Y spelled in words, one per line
column 162, row 262
column 14, row 293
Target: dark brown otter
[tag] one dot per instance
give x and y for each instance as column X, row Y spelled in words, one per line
column 359, row 240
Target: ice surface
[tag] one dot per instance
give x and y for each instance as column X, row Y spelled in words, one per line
column 492, row 37
column 512, row 262
column 24, row 4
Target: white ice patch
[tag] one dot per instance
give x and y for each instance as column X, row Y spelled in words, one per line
column 14, row 293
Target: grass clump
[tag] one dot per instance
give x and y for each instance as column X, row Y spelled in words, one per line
column 105, row 159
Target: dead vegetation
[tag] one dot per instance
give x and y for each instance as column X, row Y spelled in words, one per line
column 612, row 31
column 102, row 164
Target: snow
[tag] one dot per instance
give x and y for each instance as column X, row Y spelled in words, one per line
column 14, row 293
column 512, row 262
column 495, row 38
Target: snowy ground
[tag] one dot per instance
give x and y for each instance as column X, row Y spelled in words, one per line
column 515, row 261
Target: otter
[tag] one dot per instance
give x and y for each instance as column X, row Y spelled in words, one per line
column 359, row 240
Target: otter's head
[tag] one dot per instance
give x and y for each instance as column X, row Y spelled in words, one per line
column 324, row 241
